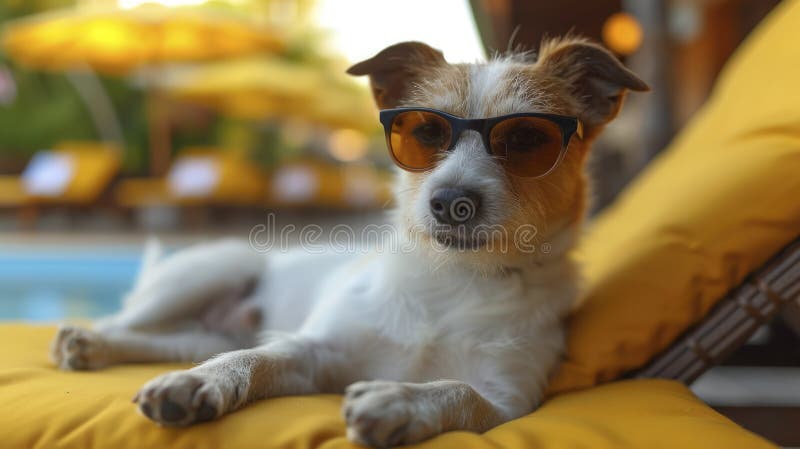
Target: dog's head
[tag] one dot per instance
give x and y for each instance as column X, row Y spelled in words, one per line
column 468, row 200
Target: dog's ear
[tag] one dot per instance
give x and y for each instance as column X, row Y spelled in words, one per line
column 597, row 79
column 393, row 70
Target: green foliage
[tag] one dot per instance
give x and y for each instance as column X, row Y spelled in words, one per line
column 129, row 105
column 48, row 109
column 45, row 111
column 10, row 9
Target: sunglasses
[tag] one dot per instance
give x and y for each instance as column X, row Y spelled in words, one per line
column 528, row 144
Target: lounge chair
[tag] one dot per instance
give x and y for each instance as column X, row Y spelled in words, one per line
column 72, row 174
column 700, row 248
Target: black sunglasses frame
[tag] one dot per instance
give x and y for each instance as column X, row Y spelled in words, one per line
column 569, row 126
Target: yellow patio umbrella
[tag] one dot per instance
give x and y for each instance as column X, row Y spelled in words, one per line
column 113, row 40
column 274, row 88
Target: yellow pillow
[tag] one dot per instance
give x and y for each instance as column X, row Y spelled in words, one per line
column 713, row 207
column 42, row 407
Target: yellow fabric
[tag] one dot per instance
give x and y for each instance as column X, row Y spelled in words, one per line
column 715, row 206
column 332, row 186
column 262, row 87
column 95, row 163
column 42, row 407
column 239, row 182
column 12, row 192
column 116, row 41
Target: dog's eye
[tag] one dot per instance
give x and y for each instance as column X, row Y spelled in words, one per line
column 430, row 134
column 525, row 139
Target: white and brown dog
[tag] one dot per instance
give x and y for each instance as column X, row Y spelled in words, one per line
column 460, row 329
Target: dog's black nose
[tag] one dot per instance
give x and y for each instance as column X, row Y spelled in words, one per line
column 454, row 206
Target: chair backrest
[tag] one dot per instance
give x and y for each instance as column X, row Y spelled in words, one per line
column 712, row 209
column 733, row 320
column 73, row 173
column 216, row 175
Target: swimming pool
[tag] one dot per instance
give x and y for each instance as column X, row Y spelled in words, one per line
column 50, row 285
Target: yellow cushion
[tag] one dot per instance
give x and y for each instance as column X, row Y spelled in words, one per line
column 712, row 208
column 12, row 191
column 96, row 165
column 44, row 408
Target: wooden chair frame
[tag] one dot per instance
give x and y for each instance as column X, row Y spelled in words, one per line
column 732, row 321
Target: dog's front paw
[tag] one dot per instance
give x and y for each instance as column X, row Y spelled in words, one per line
column 75, row 349
column 385, row 414
column 180, row 398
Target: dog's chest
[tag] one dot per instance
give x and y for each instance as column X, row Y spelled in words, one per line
column 412, row 328
column 413, row 348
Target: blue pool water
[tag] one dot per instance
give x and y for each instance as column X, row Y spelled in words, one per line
column 39, row 285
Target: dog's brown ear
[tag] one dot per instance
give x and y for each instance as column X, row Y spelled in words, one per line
column 597, row 79
column 393, row 70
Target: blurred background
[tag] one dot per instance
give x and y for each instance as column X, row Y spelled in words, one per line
column 192, row 119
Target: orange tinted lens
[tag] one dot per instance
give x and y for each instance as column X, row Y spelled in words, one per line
column 417, row 137
column 528, row 146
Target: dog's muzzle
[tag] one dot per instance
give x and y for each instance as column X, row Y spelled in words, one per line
column 454, row 206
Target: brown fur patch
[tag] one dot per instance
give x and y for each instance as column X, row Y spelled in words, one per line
column 572, row 76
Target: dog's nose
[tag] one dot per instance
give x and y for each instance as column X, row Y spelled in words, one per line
column 454, row 206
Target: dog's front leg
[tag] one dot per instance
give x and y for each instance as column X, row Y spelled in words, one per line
column 289, row 366
column 383, row 414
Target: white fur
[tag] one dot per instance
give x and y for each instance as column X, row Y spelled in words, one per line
column 390, row 324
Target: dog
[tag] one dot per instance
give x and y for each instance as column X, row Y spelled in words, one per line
column 457, row 330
